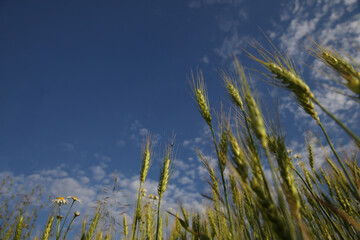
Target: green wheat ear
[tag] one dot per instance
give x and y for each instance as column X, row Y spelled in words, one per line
column 254, row 112
column 201, row 98
column 338, row 65
column 283, row 74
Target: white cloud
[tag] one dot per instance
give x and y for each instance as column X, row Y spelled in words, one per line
column 323, row 20
column 120, row 143
column 231, row 45
column 58, row 172
column 143, row 132
column 102, row 157
column 98, row 172
column 185, row 180
column 186, row 143
column 68, row 147
column 69, row 182
column 181, row 165
column 205, row 59
column 139, row 133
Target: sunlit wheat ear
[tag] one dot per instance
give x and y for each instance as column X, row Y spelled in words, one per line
column 200, row 94
column 214, row 180
column 83, row 229
column 19, row 228
column 284, row 74
column 339, row 65
column 125, row 227
column 145, row 159
column 94, row 223
column 48, row 228
column 269, row 210
column 223, row 148
column 234, row 191
column 99, row 235
column 310, row 154
column 166, row 171
column 255, row 116
column 232, row 89
column 164, row 175
column 238, row 156
column 278, row 148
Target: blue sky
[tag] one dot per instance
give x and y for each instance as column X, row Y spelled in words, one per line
column 82, row 83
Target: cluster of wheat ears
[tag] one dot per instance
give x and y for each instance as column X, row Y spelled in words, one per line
column 296, row 201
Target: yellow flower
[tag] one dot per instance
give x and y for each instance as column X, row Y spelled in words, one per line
column 60, row 200
column 143, row 190
column 74, row 199
column 151, row 196
column 156, row 197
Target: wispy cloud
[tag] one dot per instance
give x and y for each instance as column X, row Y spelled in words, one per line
column 230, row 15
column 231, row 45
column 102, row 157
column 120, row 143
column 97, row 183
column 138, row 133
column 98, row 172
column 324, row 20
column 205, row 59
column 68, row 147
column 331, row 22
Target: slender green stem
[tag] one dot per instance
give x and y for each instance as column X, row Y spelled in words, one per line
column 248, row 129
column 278, row 190
column 68, row 228
column 253, row 148
column 322, row 208
column 224, row 183
column 58, row 223
column 356, row 139
column 138, row 205
column 339, row 160
column 158, row 220
column 65, row 220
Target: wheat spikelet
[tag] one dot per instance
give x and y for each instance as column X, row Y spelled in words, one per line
column 199, row 90
column 277, row 146
column 233, row 90
column 256, row 120
column 8, row 233
column 310, row 155
column 164, row 180
column 19, row 228
column 93, row 224
column 48, row 227
column 223, row 149
column 99, row 236
column 212, row 222
column 339, row 65
column 164, row 176
column 238, row 156
column 125, row 227
column 83, row 229
column 284, row 74
column 145, row 160
column 269, row 211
